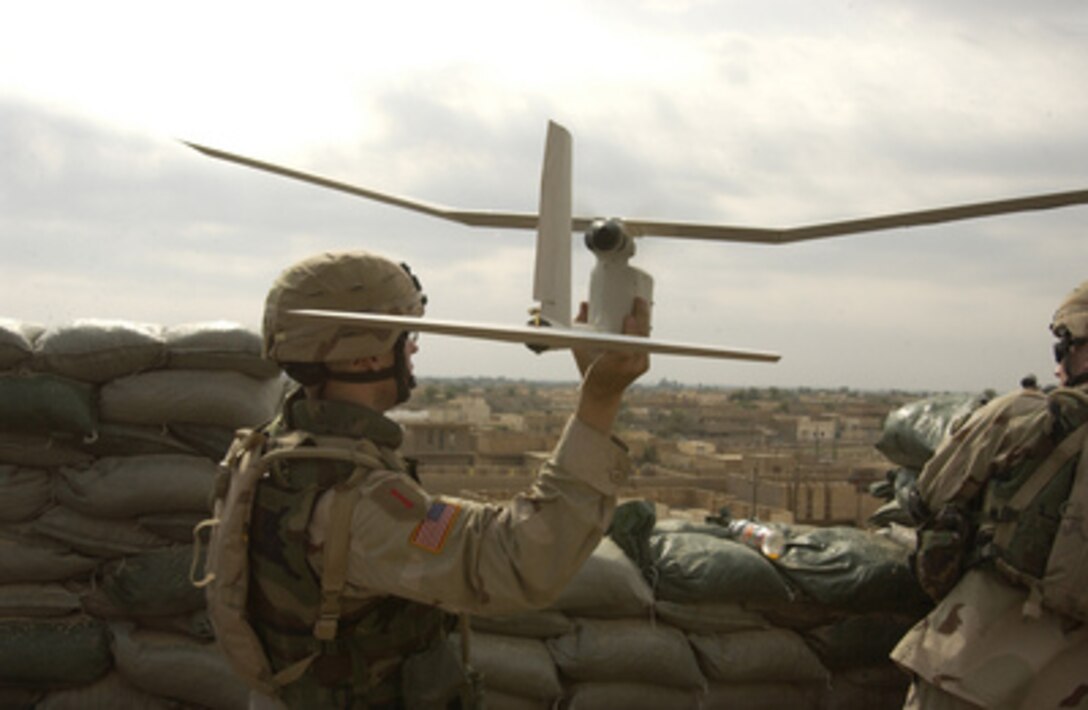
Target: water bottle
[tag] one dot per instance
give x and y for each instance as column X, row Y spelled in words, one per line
column 770, row 541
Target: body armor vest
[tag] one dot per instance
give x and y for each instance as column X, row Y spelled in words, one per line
column 361, row 666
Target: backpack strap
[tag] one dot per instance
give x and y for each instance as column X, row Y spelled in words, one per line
column 1040, row 478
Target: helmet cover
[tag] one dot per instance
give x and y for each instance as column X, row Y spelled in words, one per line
column 354, row 281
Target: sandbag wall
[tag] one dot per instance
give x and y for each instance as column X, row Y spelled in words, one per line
column 109, row 437
column 673, row 614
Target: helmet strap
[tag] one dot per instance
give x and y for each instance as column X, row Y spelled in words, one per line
column 406, row 382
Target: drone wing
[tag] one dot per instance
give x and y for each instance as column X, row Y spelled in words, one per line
column 684, row 230
column 552, row 338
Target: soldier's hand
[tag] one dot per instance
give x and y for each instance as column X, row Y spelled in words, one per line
column 606, row 375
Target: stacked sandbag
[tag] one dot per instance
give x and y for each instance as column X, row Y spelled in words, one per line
column 111, row 434
column 677, row 614
column 909, row 437
column 697, row 620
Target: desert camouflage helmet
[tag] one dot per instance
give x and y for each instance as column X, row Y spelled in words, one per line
column 343, row 281
column 1072, row 315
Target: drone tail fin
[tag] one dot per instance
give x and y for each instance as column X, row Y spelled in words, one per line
column 551, row 281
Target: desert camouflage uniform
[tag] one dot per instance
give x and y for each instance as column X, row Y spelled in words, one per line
column 989, row 643
column 411, row 556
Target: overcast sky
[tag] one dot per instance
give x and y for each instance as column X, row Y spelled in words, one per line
column 747, row 113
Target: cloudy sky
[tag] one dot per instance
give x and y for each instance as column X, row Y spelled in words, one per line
column 757, row 114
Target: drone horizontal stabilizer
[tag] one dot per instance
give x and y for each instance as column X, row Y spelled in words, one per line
column 557, row 338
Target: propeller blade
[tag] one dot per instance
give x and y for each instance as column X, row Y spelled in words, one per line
column 551, row 279
column 549, row 337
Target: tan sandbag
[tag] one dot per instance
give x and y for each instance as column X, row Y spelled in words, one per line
column 173, row 666
column 53, row 653
column 107, row 693
column 25, row 557
column 96, row 350
column 162, row 397
column 130, row 486
column 608, row 585
column 24, row 492
column 217, row 345
column 37, row 600
column 520, row 666
column 17, row 342
column 756, row 656
column 626, row 650
column 630, row 696
column 98, row 537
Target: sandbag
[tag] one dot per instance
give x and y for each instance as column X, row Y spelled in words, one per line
column 858, row 641
column 154, row 583
column 217, row 345
column 108, row 693
column 914, row 431
column 98, row 537
column 540, row 624
column 97, row 351
column 851, row 569
column 172, row 666
column 51, row 653
column 30, row 558
column 40, row 450
column 24, row 492
column 47, row 404
column 162, row 397
column 608, row 585
column 519, row 666
column 700, row 567
column 881, row 687
column 764, row 655
column 17, row 342
column 708, row 616
column 130, row 486
column 37, row 600
column 624, row 650
column 174, row 527
column 768, row 696
column 630, row 696
column 498, row 700
column 133, row 440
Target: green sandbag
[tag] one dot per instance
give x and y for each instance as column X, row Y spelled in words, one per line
column 47, row 404
column 154, row 583
column 700, row 567
column 914, row 431
column 49, row 653
column 852, row 570
column 858, row 641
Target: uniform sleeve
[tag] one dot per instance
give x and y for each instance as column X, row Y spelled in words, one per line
column 467, row 556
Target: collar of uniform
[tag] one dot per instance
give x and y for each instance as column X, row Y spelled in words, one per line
column 336, row 418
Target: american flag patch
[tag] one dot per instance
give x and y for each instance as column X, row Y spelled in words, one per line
column 432, row 531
